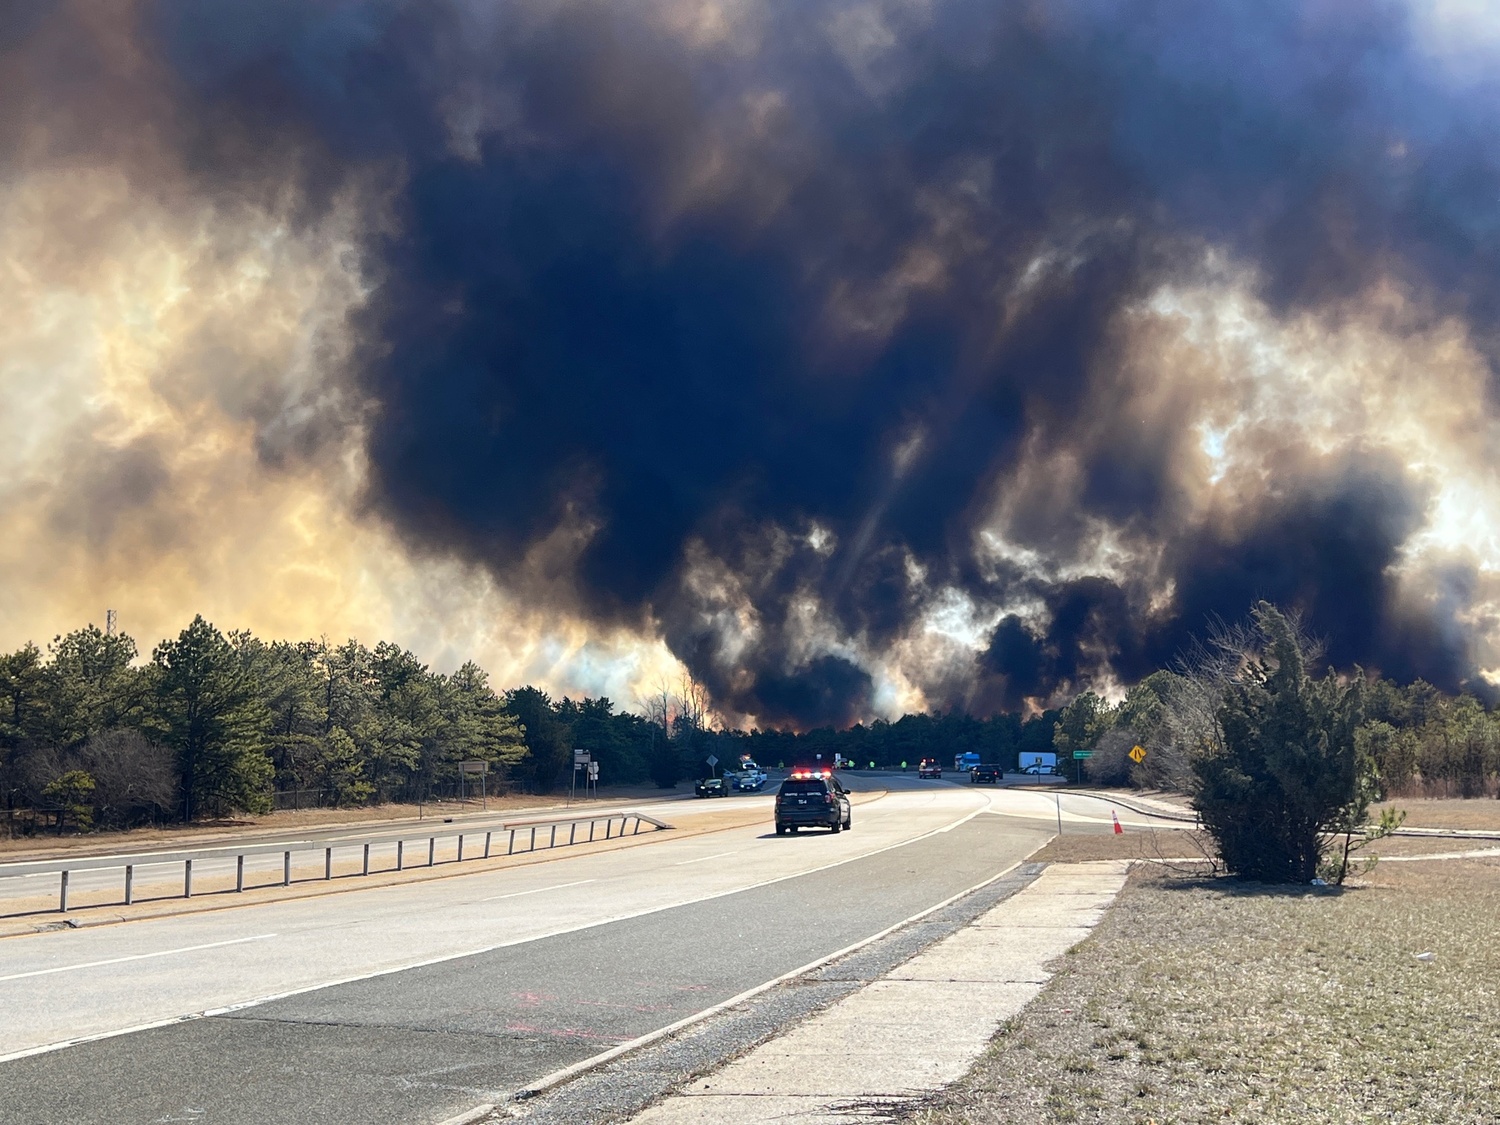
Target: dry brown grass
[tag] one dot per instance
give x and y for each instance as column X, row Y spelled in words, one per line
column 1201, row 1001
column 1481, row 813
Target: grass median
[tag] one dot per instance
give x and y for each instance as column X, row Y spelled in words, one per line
column 1208, row 1000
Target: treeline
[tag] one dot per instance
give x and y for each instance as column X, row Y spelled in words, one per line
column 1418, row 740
column 214, row 724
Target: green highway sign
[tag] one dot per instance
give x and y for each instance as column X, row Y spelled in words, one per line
column 1083, row 753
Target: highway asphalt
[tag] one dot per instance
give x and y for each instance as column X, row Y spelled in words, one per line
column 346, row 840
column 158, row 880
column 415, row 1002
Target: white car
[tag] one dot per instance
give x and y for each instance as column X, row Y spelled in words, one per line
column 750, row 778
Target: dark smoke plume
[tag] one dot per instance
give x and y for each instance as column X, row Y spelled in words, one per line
column 745, row 323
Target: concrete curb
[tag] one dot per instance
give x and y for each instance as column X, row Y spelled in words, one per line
column 558, row 1077
column 837, row 1064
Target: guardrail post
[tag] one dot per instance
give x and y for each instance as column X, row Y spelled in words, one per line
column 511, row 847
column 327, row 863
column 400, row 849
column 239, row 873
column 552, row 842
column 486, row 845
column 62, row 894
column 460, row 847
column 637, row 831
column 129, row 883
column 286, row 869
column 187, row 878
column 431, row 849
column 591, row 831
column 366, row 870
column 572, row 832
column 533, row 838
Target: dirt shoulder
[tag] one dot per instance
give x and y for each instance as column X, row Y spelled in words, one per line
column 161, row 899
column 288, row 822
column 164, row 897
column 1200, row 1000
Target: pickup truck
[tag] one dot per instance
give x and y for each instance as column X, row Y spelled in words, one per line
column 985, row 775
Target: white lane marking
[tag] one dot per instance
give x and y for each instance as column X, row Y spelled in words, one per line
column 988, row 806
column 1480, row 854
column 704, row 858
column 558, row 1077
column 537, row 890
column 135, row 957
column 46, row 1048
column 1085, row 818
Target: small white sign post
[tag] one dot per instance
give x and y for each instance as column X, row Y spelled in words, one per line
column 582, row 760
column 482, row 769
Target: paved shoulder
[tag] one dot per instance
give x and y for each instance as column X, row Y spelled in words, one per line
column 865, row 1051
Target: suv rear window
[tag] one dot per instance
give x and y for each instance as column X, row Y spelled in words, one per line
column 804, row 788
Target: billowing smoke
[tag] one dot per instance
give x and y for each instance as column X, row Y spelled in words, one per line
column 872, row 354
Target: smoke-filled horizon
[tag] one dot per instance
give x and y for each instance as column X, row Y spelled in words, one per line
column 857, row 356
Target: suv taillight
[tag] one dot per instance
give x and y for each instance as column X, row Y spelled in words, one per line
column 828, row 798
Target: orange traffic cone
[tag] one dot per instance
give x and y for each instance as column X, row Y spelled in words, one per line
column 1116, row 819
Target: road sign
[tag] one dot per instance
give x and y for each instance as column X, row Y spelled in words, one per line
column 713, row 760
column 1138, row 755
column 473, row 767
column 1083, row 753
column 581, row 758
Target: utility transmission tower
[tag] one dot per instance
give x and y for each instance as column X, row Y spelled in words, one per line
column 109, row 623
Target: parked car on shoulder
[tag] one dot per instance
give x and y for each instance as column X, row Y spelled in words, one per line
column 928, row 767
column 711, row 787
column 985, row 775
column 813, row 799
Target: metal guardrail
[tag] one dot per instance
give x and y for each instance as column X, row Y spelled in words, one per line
column 529, row 833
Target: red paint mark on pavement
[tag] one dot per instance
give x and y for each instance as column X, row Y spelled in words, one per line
column 563, row 1033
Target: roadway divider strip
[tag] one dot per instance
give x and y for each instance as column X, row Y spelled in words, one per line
column 526, row 831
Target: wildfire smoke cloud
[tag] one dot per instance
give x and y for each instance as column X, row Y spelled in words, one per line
column 859, row 356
